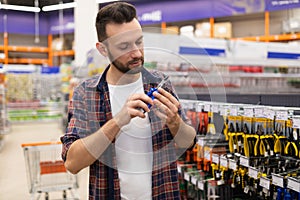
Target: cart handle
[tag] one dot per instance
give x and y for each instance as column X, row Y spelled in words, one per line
column 40, row 143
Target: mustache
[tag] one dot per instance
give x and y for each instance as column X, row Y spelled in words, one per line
column 135, row 60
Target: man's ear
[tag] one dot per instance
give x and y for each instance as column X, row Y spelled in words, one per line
column 101, row 48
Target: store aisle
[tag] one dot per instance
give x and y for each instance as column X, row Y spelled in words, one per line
column 13, row 178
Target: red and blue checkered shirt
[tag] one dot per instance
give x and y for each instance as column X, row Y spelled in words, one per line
column 90, row 109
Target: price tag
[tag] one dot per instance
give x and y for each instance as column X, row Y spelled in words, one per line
column 282, row 115
column 271, row 114
column 244, row 161
column 232, row 164
column 233, row 111
column 207, row 155
column 215, row 108
column 264, row 182
column 186, row 176
column 293, row 184
column 179, row 169
column 253, row 173
column 194, row 180
column 223, row 161
column 207, row 107
column 199, row 107
column 296, row 122
column 224, row 111
column 277, row 180
column 248, row 112
column 258, row 112
column 215, row 158
column 200, row 185
column 201, row 142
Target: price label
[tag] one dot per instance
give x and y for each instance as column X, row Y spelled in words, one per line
column 244, row 161
column 200, row 185
column 179, row 169
column 199, row 107
column 264, row 182
column 277, row 180
column 201, row 142
column 223, row 161
column 293, row 184
column 233, row 111
column 270, row 114
column 187, row 177
column 258, row 112
column 282, row 115
column 207, row 155
column 296, row 122
column 194, row 180
column 253, row 173
column 248, row 112
column 207, row 107
column 224, row 111
column 215, row 108
column 232, row 164
column 215, row 158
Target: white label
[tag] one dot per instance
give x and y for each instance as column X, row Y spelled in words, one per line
column 199, row 107
column 271, row 114
column 296, row 122
column 277, row 180
column 244, row 161
column 282, row 115
column 215, row 158
column 293, row 184
column 223, row 162
column 186, row 177
column 248, row 112
column 179, row 169
column 194, row 180
column 200, row 142
column 258, row 112
column 207, row 155
column 264, row 182
column 232, row 164
column 233, row 111
column 215, row 108
column 253, row 173
column 224, row 111
column 207, row 108
column 200, row 185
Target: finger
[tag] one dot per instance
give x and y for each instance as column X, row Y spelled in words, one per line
column 169, row 96
column 163, row 99
column 143, row 97
column 139, row 105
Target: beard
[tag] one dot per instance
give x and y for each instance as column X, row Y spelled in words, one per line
column 124, row 68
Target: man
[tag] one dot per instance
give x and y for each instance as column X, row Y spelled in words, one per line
column 127, row 138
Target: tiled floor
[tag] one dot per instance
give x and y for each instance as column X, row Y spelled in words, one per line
column 13, row 177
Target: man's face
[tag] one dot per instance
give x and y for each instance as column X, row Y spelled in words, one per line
column 125, row 46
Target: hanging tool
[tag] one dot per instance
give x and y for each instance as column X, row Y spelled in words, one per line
column 291, row 148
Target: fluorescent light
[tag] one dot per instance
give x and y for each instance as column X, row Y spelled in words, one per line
column 105, row 1
column 59, row 6
column 20, row 8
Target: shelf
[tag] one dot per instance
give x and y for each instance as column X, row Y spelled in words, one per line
column 64, row 53
column 1, row 48
column 273, row 38
column 27, row 61
column 28, row 49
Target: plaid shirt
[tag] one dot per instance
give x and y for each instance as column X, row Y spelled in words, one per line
column 90, row 109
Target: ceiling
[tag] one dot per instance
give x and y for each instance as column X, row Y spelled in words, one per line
column 31, row 2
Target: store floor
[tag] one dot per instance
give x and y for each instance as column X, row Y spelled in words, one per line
column 13, row 178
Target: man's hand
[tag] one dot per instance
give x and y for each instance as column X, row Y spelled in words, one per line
column 135, row 106
column 168, row 107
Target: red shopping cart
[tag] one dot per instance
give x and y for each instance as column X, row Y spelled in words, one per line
column 46, row 171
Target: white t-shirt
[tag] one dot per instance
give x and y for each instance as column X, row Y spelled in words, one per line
column 133, row 146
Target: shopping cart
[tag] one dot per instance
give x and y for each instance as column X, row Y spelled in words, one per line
column 46, row 172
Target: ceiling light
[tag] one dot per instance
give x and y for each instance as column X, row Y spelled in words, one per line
column 105, row 1
column 59, row 6
column 20, row 8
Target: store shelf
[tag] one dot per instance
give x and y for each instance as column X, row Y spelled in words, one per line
column 64, row 53
column 27, row 61
column 28, row 49
column 1, row 48
column 273, row 38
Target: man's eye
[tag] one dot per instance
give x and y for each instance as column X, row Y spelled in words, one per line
column 123, row 47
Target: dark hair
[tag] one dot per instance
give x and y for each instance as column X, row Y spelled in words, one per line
column 117, row 12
